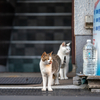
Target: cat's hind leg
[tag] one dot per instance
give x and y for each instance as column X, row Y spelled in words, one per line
column 65, row 72
column 61, row 73
column 56, row 78
column 53, row 79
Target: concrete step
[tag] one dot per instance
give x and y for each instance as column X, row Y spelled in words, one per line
column 42, row 21
column 20, row 57
column 41, row 35
column 54, row 87
column 42, row 14
column 36, row 27
column 47, row 7
column 36, row 14
column 43, row 1
column 33, row 49
column 93, row 82
column 35, row 42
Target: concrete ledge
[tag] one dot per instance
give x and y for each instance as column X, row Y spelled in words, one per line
column 93, row 82
column 93, row 78
column 95, row 90
column 94, row 85
column 54, row 87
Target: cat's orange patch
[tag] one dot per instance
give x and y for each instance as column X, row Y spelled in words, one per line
column 49, row 65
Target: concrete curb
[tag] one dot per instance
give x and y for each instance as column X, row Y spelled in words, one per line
column 54, row 87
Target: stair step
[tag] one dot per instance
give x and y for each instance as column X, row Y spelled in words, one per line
column 3, row 0
column 43, row 1
column 36, row 27
column 42, row 21
column 34, row 42
column 35, row 14
column 44, row 8
column 43, row 14
column 6, row 7
column 20, row 57
column 36, row 35
column 6, row 20
column 4, row 49
column 21, row 48
column 41, row 35
column 6, row 14
column 25, row 64
column 22, row 64
column 33, row 49
column 93, row 82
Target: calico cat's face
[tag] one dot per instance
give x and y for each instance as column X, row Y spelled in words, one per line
column 65, row 48
column 47, row 58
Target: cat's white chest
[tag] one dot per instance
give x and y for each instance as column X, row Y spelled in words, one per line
column 45, row 69
column 62, row 57
column 67, row 59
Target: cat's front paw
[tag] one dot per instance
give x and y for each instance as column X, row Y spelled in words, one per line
column 43, row 89
column 66, row 78
column 56, row 83
column 61, row 78
column 50, row 89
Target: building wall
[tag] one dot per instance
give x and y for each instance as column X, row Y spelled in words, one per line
column 81, row 9
column 6, row 8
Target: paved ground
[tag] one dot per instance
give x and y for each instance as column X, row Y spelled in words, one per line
column 56, row 92
column 66, row 87
column 49, row 98
column 62, row 82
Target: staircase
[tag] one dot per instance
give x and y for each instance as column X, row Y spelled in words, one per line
column 38, row 26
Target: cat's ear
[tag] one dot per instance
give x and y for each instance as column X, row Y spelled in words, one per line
column 43, row 54
column 68, row 44
column 63, row 44
column 50, row 53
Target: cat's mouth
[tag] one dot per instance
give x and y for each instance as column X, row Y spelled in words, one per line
column 50, row 62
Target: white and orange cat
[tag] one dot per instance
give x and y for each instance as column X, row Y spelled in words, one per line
column 49, row 66
column 64, row 54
